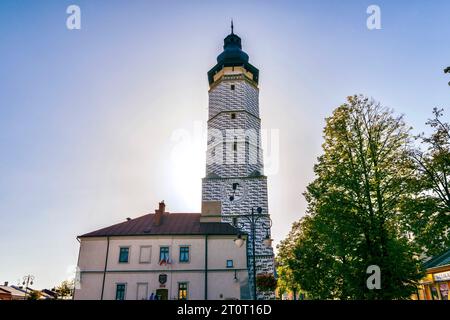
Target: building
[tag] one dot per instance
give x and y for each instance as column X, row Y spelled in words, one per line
column 48, row 294
column 190, row 255
column 169, row 255
column 437, row 280
column 11, row 292
column 234, row 169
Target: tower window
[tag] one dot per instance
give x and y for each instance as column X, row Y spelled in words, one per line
column 233, row 116
column 232, row 87
column 235, row 146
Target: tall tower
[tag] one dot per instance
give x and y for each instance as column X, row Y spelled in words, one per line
column 234, row 169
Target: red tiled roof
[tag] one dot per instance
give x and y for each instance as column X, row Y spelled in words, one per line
column 171, row 223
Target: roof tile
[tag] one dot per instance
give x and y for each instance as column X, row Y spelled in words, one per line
column 171, row 223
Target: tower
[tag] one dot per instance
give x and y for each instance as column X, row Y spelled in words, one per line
column 234, row 168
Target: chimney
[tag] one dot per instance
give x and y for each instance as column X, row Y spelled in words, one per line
column 6, row 283
column 162, row 206
column 159, row 214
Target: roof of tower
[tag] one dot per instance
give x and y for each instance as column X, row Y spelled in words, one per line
column 232, row 55
column 232, row 50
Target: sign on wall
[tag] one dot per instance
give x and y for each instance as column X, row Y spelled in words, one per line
column 442, row 276
column 162, row 278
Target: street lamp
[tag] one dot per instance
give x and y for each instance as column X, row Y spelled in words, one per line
column 239, row 241
column 27, row 280
column 267, row 241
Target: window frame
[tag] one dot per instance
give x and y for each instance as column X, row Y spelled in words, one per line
column 168, row 252
column 140, row 255
column 146, row 290
column 128, row 254
column 188, row 253
column 124, row 284
column 228, row 265
column 186, row 289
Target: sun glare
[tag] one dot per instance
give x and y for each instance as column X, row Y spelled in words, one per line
column 188, row 166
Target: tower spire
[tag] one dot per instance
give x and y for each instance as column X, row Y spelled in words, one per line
column 232, row 27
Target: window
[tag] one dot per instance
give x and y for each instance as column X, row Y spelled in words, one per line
column 234, row 221
column 235, row 146
column 213, row 152
column 229, row 263
column 163, row 253
column 232, row 87
column 182, row 290
column 184, row 254
column 123, row 255
column 233, row 116
column 120, row 291
column 142, row 291
column 145, row 254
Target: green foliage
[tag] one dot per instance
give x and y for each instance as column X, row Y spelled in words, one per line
column 34, row 295
column 427, row 214
column 354, row 217
column 286, row 281
column 65, row 289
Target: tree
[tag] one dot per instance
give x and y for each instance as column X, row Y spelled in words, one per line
column 428, row 212
column 34, row 295
column 286, row 281
column 353, row 207
column 65, row 289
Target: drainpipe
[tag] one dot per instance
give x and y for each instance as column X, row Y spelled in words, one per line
column 206, row 267
column 106, row 264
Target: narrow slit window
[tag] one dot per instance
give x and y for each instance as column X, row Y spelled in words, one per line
column 233, row 116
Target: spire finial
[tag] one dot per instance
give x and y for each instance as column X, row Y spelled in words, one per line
column 232, row 27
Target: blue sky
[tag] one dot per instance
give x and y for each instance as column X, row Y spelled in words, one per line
column 87, row 116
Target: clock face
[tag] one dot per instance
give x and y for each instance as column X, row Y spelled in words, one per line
column 234, row 190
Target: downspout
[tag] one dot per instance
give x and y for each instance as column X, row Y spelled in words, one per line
column 106, row 264
column 206, row 267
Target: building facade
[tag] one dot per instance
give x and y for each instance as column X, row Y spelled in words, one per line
column 164, row 255
column 435, row 285
column 234, row 169
column 198, row 256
